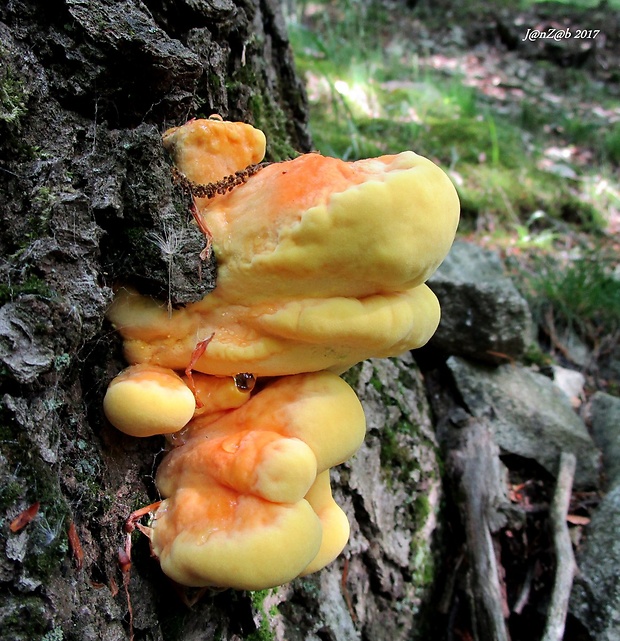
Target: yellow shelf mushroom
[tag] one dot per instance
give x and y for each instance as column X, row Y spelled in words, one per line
column 321, row 264
column 247, row 498
column 145, row 400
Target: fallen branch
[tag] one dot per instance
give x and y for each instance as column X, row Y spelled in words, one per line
column 474, row 465
column 565, row 559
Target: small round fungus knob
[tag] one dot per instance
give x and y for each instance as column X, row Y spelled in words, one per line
column 144, row 400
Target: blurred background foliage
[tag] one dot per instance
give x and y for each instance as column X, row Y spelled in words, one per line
column 528, row 130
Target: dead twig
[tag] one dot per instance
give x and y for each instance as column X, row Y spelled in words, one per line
column 474, row 464
column 565, row 559
column 526, row 588
column 199, row 350
column 345, row 590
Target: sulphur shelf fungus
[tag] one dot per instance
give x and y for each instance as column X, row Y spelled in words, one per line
column 321, row 264
column 247, row 499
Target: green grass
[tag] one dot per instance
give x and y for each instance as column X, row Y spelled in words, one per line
column 611, row 143
column 536, row 174
column 371, row 93
column 580, row 296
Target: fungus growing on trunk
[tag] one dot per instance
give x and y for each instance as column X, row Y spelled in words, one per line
column 321, row 264
column 145, row 400
column 242, row 484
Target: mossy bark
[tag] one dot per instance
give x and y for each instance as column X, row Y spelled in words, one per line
column 86, row 89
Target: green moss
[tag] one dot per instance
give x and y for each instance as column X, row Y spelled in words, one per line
column 265, row 113
column 9, row 493
column 422, row 563
column 377, row 384
column 310, row 586
column 48, row 540
column 47, row 544
column 87, row 475
column 62, row 361
column 38, row 216
column 395, row 457
column 23, row 618
column 44, row 198
column 611, row 144
column 13, row 98
column 271, row 120
column 401, row 467
column 536, row 356
column 352, row 375
column 258, row 596
column 215, row 82
column 31, row 285
column 32, row 481
column 264, row 632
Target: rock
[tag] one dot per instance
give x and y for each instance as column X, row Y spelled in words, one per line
column 570, row 382
column 605, row 421
column 529, row 415
column 483, row 316
column 595, row 599
column 576, row 349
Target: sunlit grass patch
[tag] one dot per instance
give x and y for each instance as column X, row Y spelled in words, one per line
column 509, row 197
column 531, row 162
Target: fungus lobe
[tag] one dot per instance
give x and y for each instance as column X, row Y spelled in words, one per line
column 321, row 264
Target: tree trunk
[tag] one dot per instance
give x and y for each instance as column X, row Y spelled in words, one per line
column 86, row 89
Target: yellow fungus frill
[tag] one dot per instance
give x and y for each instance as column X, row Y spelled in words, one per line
column 321, row 264
column 145, row 400
column 249, row 504
column 318, row 227
column 214, row 148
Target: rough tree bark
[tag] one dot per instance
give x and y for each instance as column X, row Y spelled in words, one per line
column 86, row 89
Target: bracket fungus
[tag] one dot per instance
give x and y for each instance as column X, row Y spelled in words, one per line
column 321, row 264
column 145, row 400
column 248, row 502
